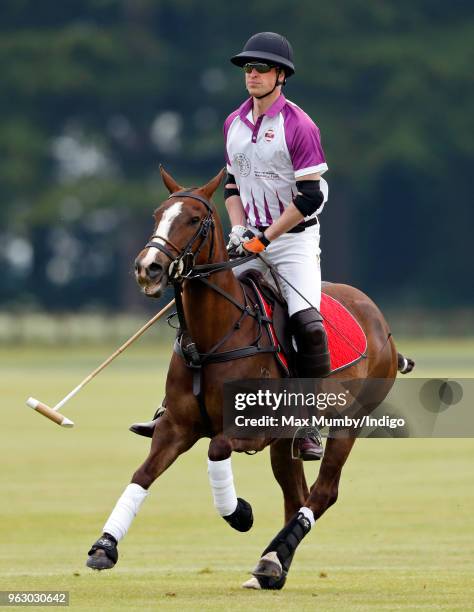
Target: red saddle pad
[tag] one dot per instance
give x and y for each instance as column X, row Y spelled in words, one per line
column 346, row 338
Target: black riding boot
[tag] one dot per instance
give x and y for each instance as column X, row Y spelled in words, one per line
column 146, row 429
column 312, row 361
column 312, row 344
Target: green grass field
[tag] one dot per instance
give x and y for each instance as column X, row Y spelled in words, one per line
column 401, row 536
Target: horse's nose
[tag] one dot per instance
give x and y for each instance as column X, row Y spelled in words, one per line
column 154, row 270
column 146, row 272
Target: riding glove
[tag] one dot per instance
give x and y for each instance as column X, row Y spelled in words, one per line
column 237, row 237
column 256, row 245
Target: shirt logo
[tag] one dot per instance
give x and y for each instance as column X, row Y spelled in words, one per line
column 269, row 135
column 243, row 163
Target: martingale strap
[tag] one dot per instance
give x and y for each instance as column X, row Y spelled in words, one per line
column 192, row 359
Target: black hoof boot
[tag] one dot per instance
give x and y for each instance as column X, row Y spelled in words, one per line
column 274, row 564
column 103, row 553
column 241, row 518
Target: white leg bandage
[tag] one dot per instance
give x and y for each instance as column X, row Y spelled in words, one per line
column 308, row 514
column 125, row 511
column 221, row 480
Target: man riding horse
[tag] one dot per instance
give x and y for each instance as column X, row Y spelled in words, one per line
column 274, row 193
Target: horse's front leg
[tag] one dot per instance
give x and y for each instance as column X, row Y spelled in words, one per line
column 169, row 441
column 235, row 510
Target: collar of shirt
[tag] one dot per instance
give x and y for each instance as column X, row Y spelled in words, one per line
column 247, row 106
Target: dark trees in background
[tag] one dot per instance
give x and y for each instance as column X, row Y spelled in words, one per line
column 96, row 92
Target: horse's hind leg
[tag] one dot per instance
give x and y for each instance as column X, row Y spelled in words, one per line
column 289, row 474
column 168, row 443
column 275, row 562
column 325, row 490
column 235, row 510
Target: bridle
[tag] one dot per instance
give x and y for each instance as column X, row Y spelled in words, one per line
column 183, row 263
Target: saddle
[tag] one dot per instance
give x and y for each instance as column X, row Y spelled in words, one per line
column 347, row 341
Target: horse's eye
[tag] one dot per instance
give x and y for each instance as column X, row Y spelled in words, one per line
column 195, row 220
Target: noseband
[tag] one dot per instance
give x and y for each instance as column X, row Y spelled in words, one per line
column 182, row 264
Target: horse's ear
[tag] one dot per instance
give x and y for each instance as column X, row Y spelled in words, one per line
column 170, row 184
column 213, row 184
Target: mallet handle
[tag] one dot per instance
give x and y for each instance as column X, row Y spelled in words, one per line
column 114, row 355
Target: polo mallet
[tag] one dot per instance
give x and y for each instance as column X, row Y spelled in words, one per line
column 53, row 413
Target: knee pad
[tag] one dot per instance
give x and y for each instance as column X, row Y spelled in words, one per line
column 308, row 330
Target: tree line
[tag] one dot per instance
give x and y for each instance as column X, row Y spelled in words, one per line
column 95, row 93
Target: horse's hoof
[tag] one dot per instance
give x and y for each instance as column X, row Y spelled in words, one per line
column 269, row 574
column 241, row 518
column 99, row 561
column 269, row 566
column 103, row 553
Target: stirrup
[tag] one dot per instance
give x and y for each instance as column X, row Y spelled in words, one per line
column 314, row 441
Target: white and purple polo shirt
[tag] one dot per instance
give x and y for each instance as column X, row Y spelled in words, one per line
column 268, row 157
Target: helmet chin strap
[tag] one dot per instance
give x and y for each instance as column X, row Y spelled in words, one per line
column 277, row 82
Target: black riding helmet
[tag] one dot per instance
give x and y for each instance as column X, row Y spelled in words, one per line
column 269, row 47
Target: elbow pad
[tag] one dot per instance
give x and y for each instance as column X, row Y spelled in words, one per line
column 309, row 197
column 230, row 191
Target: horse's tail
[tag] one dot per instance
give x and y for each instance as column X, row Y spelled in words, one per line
column 405, row 364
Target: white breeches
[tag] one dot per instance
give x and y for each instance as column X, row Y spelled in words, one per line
column 296, row 257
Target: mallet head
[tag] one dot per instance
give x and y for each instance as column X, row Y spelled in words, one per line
column 49, row 413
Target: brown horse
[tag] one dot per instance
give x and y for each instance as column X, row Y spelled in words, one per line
column 188, row 249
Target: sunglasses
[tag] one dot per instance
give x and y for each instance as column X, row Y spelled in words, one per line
column 260, row 67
